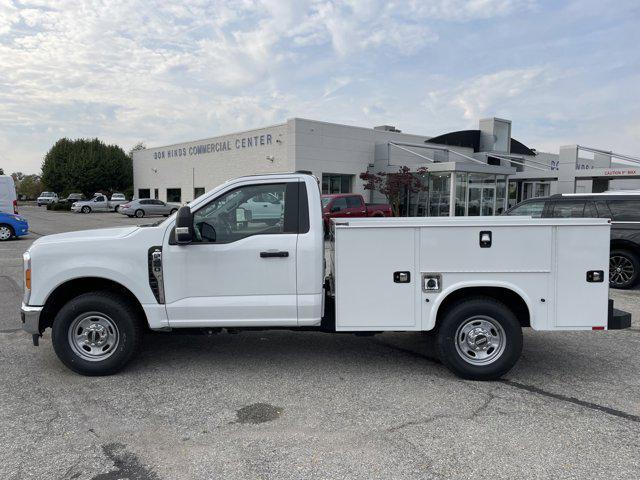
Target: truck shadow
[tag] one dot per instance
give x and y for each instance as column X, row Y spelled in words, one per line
column 571, row 356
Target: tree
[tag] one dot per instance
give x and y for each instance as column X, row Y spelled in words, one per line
column 29, row 187
column 1, row 171
column 86, row 166
column 394, row 185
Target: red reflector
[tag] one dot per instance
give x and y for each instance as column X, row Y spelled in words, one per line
column 15, row 207
column 597, row 328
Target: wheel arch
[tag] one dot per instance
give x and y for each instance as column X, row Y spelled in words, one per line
column 64, row 292
column 623, row 244
column 513, row 297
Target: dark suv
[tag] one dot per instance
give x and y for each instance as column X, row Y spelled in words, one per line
column 622, row 208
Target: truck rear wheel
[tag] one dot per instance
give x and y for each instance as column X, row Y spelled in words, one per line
column 624, row 268
column 96, row 333
column 479, row 339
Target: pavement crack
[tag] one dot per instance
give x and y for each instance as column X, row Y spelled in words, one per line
column 14, row 285
column 576, row 401
column 470, row 416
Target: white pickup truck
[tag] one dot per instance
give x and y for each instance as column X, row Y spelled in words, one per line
column 471, row 283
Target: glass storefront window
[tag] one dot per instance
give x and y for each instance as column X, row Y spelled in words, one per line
column 334, row 183
column 417, row 204
column 439, row 194
column 474, row 194
column 461, row 193
column 501, row 191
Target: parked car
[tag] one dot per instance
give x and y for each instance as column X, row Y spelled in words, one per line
column 350, row 205
column 47, row 198
column 473, row 283
column 99, row 203
column 117, row 199
column 73, row 197
column 8, row 199
column 147, row 207
column 12, row 225
column 263, row 207
column 622, row 208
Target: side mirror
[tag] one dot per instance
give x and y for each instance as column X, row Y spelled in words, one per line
column 184, row 226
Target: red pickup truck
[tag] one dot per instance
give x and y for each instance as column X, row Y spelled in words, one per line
column 351, row 205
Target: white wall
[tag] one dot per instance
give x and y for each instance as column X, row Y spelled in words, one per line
column 323, row 147
column 176, row 166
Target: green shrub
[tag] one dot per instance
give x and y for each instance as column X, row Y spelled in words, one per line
column 60, row 207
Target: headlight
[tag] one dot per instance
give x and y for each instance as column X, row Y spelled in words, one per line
column 26, row 262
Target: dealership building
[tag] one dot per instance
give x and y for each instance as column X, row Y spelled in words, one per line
column 469, row 172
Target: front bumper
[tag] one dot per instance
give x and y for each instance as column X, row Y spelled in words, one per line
column 618, row 319
column 30, row 317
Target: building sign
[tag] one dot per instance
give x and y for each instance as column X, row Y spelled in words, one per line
column 239, row 143
column 620, row 172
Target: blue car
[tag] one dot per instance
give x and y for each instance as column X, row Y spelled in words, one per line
column 12, row 226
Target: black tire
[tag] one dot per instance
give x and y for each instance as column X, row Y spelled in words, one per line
column 108, row 305
column 480, row 314
column 173, row 210
column 86, row 209
column 117, row 209
column 139, row 213
column 6, row 232
column 624, row 269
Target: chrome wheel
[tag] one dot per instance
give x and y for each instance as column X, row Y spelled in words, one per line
column 5, row 232
column 621, row 270
column 93, row 336
column 480, row 340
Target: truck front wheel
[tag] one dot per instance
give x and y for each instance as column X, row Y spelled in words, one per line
column 96, row 333
column 479, row 339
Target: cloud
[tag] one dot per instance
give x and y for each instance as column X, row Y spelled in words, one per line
column 482, row 95
column 165, row 72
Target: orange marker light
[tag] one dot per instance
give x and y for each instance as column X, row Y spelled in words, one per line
column 27, row 278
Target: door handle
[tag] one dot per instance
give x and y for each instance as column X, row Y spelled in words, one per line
column 274, row 254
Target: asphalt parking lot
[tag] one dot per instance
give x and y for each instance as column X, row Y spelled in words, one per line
column 298, row 405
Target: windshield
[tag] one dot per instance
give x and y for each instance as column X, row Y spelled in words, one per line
column 325, row 202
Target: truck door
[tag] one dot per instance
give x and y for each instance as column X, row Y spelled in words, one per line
column 101, row 203
column 355, row 206
column 235, row 272
column 338, row 207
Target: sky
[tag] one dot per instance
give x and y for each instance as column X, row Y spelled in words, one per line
column 163, row 72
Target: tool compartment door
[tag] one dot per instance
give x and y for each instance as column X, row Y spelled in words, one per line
column 579, row 249
column 368, row 296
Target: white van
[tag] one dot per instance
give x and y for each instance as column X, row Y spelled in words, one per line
column 8, row 199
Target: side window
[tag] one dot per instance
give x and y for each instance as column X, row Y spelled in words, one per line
column 529, row 209
column 354, row 202
column 625, row 210
column 590, row 210
column 232, row 216
column 339, row 204
column 570, row 209
column 603, row 210
column 145, row 202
